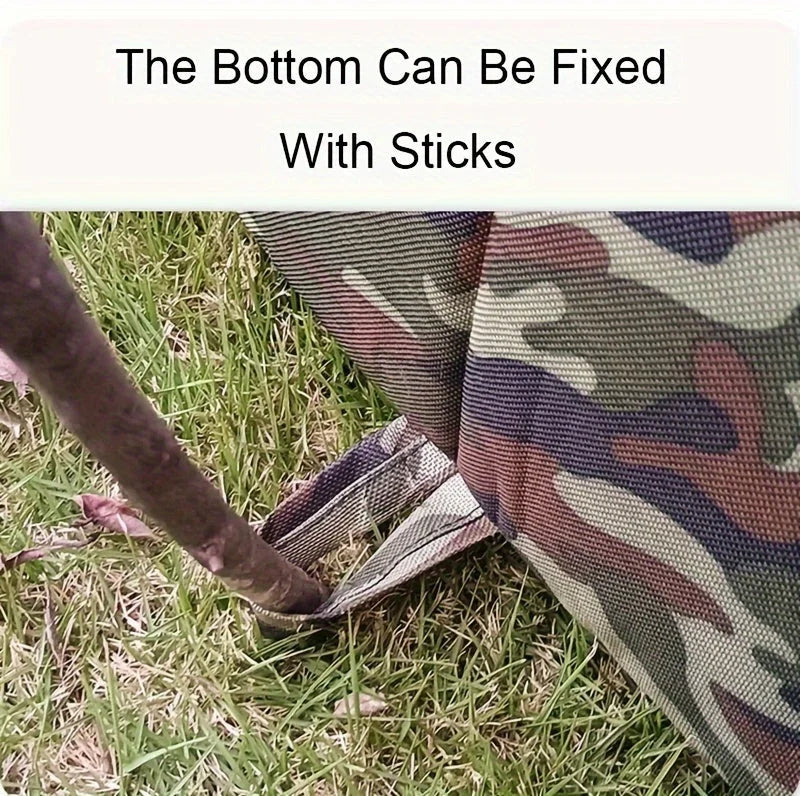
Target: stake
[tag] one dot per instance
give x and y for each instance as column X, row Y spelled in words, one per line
column 44, row 327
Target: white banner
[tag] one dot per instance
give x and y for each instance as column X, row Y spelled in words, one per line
column 135, row 110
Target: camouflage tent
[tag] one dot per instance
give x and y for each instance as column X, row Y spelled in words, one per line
column 617, row 394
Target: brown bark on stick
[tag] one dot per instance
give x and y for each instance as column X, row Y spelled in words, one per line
column 45, row 329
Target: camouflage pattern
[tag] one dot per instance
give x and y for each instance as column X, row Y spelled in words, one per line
column 369, row 278
column 387, row 472
column 621, row 395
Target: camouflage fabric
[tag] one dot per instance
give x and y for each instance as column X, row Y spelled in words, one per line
column 385, row 473
column 620, row 393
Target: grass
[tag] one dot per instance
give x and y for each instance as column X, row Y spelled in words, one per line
column 166, row 687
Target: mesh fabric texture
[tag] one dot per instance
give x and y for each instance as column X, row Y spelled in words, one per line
column 620, row 393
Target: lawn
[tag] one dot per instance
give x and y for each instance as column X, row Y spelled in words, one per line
column 164, row 685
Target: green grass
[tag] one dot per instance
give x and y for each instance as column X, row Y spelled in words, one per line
column 166, row 686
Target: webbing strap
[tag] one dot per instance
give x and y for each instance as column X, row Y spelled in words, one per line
column 384, row 474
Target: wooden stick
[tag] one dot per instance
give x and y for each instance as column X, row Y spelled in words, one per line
column 45, row 329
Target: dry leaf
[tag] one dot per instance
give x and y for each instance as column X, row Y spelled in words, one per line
column 110, row 514
column 114, row 515
column 368, row 705
column 10, row 371
column 35, row 553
